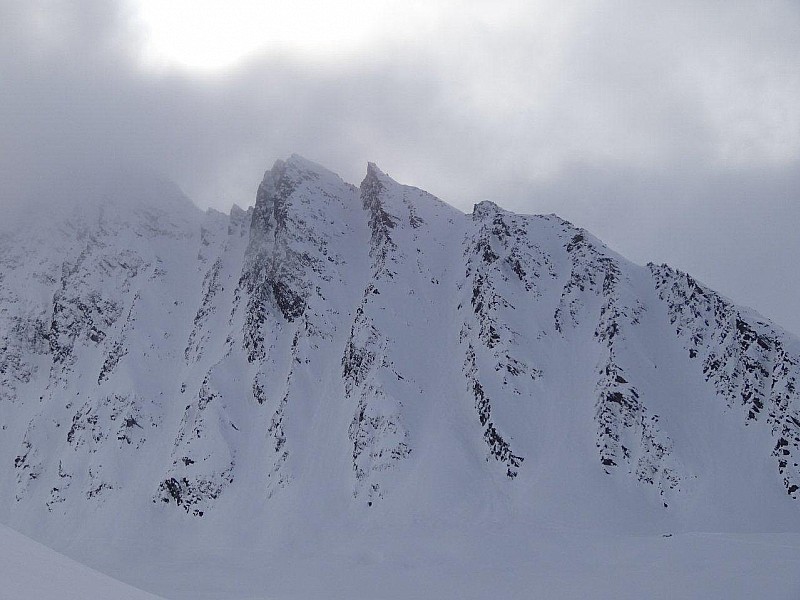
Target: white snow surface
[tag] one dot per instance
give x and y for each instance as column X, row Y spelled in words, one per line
column 31, row 570
column 361, row 392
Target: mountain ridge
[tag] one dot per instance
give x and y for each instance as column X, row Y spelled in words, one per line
column 343, row 354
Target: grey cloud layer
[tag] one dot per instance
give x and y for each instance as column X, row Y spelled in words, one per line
column 672, row 132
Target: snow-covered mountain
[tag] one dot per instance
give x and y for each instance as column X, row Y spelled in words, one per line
column 337, row 358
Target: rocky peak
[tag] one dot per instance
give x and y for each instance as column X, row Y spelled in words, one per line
column 381, row 221
column 485, row 209
column 270, row 208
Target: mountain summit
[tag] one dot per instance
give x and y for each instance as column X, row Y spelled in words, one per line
column 335, row 357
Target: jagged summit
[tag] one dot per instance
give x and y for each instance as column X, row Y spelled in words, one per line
column 297, row 168
column 484, row 209
column 236, row 211
column 338, row 357
column 302, row 163
column 374, row 171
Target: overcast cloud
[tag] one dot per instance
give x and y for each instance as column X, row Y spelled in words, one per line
column 671, row 132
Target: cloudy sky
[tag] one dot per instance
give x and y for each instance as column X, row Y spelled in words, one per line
column 671, row 130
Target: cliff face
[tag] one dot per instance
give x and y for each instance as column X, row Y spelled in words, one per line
column 344, row 348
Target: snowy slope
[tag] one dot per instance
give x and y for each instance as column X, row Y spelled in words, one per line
column 351, row 368
column 30, row 570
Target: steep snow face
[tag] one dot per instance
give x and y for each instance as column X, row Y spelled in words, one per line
column 399, row 318
column 753, row 366
column 340, row 356
column 90, row 307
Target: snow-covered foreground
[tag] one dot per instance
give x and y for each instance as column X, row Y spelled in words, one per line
column 531, row 564
column 30, row 570
column 498, row 563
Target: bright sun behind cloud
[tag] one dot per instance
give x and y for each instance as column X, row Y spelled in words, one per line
column 212, row 35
